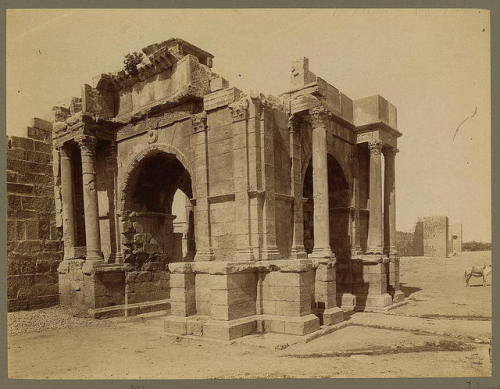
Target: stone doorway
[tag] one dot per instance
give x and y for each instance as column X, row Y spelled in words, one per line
column 149, row 237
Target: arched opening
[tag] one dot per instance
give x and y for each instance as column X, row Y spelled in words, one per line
column 339, row 202
column 149, row 214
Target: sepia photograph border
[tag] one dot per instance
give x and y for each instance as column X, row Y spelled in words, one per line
column 452, row 382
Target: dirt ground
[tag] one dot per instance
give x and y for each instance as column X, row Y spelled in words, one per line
column 444, row 330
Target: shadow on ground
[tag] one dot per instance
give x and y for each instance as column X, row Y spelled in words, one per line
column 409, row 290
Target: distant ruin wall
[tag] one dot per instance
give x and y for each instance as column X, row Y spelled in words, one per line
column 431, row 238
column 34, row 248
column 435, row 236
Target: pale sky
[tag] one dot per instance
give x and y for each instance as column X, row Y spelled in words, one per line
column 433, row 65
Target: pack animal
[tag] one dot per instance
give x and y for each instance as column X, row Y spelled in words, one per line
column 477, row 271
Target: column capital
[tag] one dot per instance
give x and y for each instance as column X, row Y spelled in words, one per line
column 294, row 123
column 239, row 110
column 199, row 122
column 63, row 150
column 375, row 146
column 87, row 144
column 319, row 116
column 391, row 151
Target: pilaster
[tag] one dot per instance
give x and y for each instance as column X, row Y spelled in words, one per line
column 204, row 250
column 239, row 111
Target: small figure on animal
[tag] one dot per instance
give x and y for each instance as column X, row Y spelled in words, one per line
column 477, row 271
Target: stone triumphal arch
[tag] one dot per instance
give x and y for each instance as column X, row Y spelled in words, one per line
column 286, row 224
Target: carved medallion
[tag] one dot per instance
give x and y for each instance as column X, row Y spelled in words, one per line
column 152, row 136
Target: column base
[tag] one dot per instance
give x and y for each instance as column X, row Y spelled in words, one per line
column 244, row 254
column 378, row 302
column 348, row 302
column 298, row 252
column 398, row 296
column 270, row 253
column 291, row 325
column 90, row 265
column 356, row 251
column 322, row 253
column 204, row 255
column 375, row 250
column 332, row 316
column 116, row 258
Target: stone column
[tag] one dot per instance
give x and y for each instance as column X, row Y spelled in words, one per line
column 375, row 233
column 390, row 200
column 68, row 215
column 92, row 231
column 319, row 121
column 297, row 251
column 199, row 144
column 239, row 111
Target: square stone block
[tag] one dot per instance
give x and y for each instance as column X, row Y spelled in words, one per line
column 293, row 308
column 301, row 326
column 348, row 302
column 323, row 273
column 333, row 316
column 378, row 301
column 181, row 294
column 269, row 307
column 182, row 308
column 287, row 293
column 276, row 326
column 179, row 280
column 233, row 311
column 176, row 325
column 224, row 330
column 194, row 327
column 233, row 281
column 232, row 296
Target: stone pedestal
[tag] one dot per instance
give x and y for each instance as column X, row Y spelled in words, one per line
column 182, row 290
column 325, row 294
column 394, row 287
column 372, row 292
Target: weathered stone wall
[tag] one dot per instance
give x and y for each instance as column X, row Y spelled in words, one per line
column 435, row 236
column 456, row 238
column 34, row 249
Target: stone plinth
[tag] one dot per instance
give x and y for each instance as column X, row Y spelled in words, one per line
column 370, row 280
column 108, row 290
column 282, row 296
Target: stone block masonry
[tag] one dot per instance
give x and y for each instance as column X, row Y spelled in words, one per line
column 34, row 249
